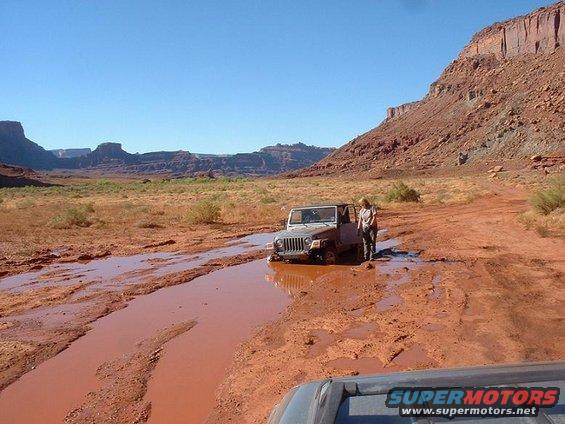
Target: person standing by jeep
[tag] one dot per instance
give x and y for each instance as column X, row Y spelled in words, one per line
column 367, row 226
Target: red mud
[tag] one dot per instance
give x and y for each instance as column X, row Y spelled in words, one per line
column 192, row 366
column 477, row 307
column 459, row 305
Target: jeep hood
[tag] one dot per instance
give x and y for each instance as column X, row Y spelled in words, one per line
column 314, row 230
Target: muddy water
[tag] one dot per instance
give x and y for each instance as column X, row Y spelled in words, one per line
column 47, row 393
column 227, row 304
column 103, row 275
column 113, row 272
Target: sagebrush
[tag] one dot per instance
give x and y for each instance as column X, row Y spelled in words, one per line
column 400, row 192
column 204, row 212
column 550, row 199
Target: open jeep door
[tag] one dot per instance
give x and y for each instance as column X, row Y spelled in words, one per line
column 348, row 226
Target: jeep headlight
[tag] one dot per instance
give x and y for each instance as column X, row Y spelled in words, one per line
column 307, row 242
column 279, row 244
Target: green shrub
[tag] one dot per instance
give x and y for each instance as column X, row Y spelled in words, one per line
column 268, row 199
column 400, row 192
column 73, row 217
column 149, row 224
column 204, row 212
column 553, row 197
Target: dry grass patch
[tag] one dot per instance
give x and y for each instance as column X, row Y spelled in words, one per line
column 204, row 212
column 78, row 216
column 547, row 215
column 400, row 192
column 30, row 217
column 553, row 197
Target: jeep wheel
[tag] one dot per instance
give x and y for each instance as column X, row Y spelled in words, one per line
column 329, row 256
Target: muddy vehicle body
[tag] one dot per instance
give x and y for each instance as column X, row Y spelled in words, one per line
column 318, row 233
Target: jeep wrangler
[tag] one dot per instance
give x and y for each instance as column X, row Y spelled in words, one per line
column 318, row 233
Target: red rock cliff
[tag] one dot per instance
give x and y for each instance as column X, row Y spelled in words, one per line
column 497, row 101
column 540, row 31
column 393, row 112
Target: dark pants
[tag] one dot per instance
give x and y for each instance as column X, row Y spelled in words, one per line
column 369, row 237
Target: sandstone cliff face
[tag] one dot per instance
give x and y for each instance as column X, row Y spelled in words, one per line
column 396, row 111
column 16, row 149
column 491, row 106
column 540, row 31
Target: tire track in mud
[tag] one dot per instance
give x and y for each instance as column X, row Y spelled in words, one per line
column 120, row 399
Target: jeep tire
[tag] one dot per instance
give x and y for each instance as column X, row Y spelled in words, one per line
column 329, row 256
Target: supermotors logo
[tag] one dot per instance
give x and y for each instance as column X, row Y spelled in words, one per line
column 471, row 401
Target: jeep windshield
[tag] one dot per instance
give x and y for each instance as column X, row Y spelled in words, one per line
column 322, row 215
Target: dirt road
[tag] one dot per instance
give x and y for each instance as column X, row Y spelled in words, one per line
column 465, row 285
column 485, row 291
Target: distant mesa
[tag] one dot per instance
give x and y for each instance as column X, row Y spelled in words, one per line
column 71, row 153
column 110, row 157
column 16, row 149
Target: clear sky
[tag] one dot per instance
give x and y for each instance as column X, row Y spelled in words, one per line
column 222, row 76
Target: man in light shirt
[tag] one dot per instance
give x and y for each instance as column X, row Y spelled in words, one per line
column 367, row 226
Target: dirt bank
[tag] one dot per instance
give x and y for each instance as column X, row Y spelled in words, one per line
column 487, row 292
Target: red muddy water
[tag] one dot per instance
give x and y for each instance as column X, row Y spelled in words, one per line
column 227, row 305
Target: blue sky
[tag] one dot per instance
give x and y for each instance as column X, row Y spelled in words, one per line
column 223, row 76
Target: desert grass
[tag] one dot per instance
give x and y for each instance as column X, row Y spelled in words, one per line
column 547, row 213
column 124, row 214
column 400, row 192
column 204, row 212
column 551, row 198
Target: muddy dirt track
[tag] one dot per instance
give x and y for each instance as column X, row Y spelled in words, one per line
column 226, row 336
column 482, row 291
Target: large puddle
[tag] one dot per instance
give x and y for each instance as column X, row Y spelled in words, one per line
column 113, row 272
column 227, row 305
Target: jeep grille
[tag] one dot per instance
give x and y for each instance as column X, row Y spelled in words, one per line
column 293, row 244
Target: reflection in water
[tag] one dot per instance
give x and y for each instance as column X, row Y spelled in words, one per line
column 294, row 278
